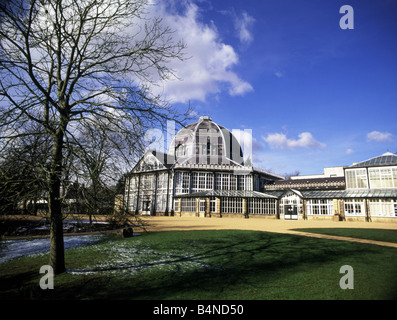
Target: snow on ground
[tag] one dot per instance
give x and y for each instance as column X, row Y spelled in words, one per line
column 11, row 249
column 123, row 256
column 129, row 257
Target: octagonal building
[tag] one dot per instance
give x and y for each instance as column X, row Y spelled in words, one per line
column 202, row 174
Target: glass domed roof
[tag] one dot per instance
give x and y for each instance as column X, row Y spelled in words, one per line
column 386, row 159
column 206, row 142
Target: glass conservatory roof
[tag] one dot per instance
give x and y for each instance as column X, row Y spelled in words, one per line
column 305, row 194
column 356, row 193
column 385, row 159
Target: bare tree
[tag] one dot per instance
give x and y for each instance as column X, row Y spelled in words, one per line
column 66, row 63
column 288, row 175
column 99, row 165
column 22, row 174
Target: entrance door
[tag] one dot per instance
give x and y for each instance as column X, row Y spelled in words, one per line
column 213, row 206
column 291, row 205
column 202, row 208
column 290, row 212
column 146, row 208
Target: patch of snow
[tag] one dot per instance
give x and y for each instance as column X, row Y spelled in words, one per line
column 85, row 221
column 126, row 258
column 11, row 249
column 123, row 257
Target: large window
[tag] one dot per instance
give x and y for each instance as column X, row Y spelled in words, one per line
column 223, row 181
column 131, row 201
column 147, row 181
column 354, row 207
column 202, row 181
column 261, row 206
column 212, row 205
column 244, row 182
column 181, row 150
column 385, row 177
column 232, row 205
column 356, row 179
column 162, row 180
column 207, row 149
column 182, row 182
column 320, row 207
column 176, row 205
column 161, row 192
column 188, row 205
column 134, row 183
column 227, row 181
column 383, row 208
column 161, row 201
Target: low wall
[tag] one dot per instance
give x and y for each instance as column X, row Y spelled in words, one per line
column 321, row 217
column 274, row 217
column 385, row 220
column 263, row 216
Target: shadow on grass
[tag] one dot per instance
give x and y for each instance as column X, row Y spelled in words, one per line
column 239, row 265
column 236, row 265
column 20, row 284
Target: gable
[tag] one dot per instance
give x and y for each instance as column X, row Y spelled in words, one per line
column 291, row 193
column 149, row 162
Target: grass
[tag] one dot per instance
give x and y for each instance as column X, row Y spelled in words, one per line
column 225, row 264
column 372, row 234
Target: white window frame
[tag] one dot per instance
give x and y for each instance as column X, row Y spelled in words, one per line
column 261, row 206
column 188, row 205
column 202, row 181
column 320, row 207
column 354, row 207
column 383, row 208
column 232, row 205
column 355, row 178
column 202, row 205
column 382, row 173
column 213, row 205
column 182, row 182
column 147, row 182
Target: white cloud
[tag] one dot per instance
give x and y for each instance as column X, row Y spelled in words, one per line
column 243, row 25
column 209, row 66
column 379, row 136
column 279, row 74
column 280, row 141
column 349, row 151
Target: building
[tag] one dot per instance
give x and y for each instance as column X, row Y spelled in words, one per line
column 364, row 191
column 203, row 174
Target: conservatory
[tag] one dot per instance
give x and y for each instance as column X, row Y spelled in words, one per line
column 202, row 174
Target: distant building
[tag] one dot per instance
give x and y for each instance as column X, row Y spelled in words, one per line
column 203, row 174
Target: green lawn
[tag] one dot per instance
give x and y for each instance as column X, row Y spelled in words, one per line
column 210, row 265
column 372, row 234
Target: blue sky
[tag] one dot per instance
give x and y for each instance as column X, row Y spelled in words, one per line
column 313, row 95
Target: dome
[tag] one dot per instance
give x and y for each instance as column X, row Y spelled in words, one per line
column 206, row 142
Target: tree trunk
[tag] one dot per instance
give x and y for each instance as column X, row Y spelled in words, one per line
column 57, row 257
